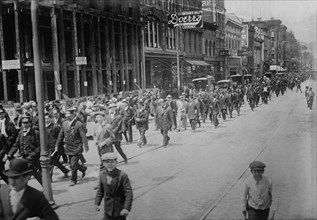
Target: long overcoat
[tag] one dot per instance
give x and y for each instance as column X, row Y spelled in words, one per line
column 165, row 118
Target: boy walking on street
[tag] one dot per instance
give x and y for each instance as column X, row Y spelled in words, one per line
column 257, row 198
column 114, row 186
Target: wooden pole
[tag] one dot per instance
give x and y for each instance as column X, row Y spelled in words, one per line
column 4, row 72
column 93, row 55
column 137, row 59
column 121, row 56
column 143, row 73
column 100, row 78
column 63, row 54
column 75, row 46
column 83, row 53
column 57, row 79
column 108, row 58
column 134, row 72
column 113, row 50
column 44, row 159
column 125, row 39
column 18, row 45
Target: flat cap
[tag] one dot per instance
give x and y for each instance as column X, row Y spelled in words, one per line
column 26, row 105
column 109, row 156
column 112, row 105
column 99, row 113
column 257, row 165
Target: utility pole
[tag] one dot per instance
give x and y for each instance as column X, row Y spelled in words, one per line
column 44, row 158
column 177, row 63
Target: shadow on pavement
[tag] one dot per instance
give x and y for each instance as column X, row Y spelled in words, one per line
column 59, row 191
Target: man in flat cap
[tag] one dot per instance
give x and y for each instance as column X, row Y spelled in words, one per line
column 20, row 201
column 115, row 187
column 73, row 137
column 257, row 198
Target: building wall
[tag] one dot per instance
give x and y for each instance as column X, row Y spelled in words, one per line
column 111, row 42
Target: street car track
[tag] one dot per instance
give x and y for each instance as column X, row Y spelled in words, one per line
column 227, row 190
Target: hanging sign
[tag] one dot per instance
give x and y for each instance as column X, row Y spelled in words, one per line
column 81, row 61
column 11, row 64
column 185, row 20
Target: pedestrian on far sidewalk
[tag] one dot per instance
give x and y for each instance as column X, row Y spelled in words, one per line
column 257, row 198
column 115, row 188
column 311, row 96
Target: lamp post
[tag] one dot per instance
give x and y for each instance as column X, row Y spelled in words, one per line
column 44, row 158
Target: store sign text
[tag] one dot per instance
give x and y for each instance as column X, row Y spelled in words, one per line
column 185, row 20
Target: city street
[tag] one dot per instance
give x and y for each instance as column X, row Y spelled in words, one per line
column 200, row 174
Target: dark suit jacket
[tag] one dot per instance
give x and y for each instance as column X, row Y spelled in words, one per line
column 52, row 132
column 117, row 127
column 143, row 117
column 73, row 136
column 29, row 147
column 32, row 204
column 117, row 196
column 11, row 131
column 165, row 118
column 3, row 147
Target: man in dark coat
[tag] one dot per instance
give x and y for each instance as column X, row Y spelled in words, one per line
column 117, row 130
column 165, row 120
column 127, row 119
column 141, row 117
column 19, row 201
column 28, row 144
column 4, row 148
column 58, row 121
column 52, row 132
column 7, row 128
column 73, row 136
column 114, row 186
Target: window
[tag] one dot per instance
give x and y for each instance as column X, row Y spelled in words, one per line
column 152, row 32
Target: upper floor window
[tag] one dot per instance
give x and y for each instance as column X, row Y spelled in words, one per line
column 152, row 32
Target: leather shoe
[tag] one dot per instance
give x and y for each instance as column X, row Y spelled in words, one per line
column 84, row 172
column 66, row 174
column 72, row 183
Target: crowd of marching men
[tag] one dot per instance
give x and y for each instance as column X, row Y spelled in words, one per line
column 110, row 121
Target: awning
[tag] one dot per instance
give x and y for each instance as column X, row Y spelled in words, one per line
column 276, row 68
column 198, row 62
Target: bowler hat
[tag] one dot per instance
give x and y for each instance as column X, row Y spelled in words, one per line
column 18, row 167
column 257, row 165
column 109, row 156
